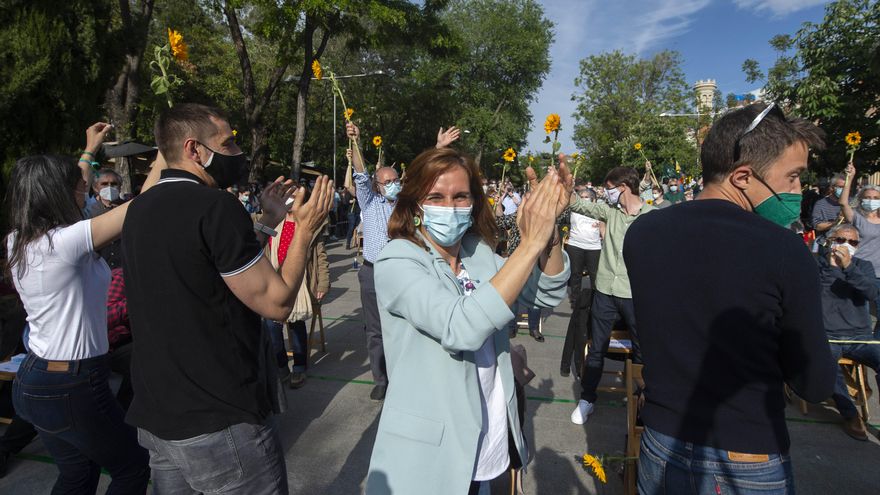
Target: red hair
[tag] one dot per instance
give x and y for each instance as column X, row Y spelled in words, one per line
column 420, row 177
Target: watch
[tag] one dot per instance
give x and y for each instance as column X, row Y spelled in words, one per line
column 264, row 229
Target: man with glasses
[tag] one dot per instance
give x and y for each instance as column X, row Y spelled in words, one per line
column 848, row 286
column 376, row 198
column 748, row 313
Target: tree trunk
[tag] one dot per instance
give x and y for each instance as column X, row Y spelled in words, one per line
column 253, row 106
column 259, row 155
column 302, row 97
column 121, row 101
column 299, row 137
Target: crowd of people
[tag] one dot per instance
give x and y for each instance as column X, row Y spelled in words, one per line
column 452, row 261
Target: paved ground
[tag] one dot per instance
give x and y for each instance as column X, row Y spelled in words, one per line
column 328, row 433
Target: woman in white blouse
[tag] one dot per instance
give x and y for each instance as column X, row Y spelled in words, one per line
column 62, row 386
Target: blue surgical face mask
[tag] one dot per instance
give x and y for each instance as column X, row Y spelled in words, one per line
column 870, row 204
column 447, row 225
column 838, row 191
column 392, row 190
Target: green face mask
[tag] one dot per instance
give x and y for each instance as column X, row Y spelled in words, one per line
column 781, row 208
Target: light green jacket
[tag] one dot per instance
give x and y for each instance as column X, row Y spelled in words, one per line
column 431, row 420
column 612, row 278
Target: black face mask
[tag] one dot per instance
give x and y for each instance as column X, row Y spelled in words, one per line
column 227, row 170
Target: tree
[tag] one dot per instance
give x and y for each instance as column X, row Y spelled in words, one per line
column 622, row 100
column 276, row 22
column 832, row 78
column 502, row 62
column 55, row 70
column 123, row 96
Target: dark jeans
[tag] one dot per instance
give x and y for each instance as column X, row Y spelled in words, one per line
column 578, row 325
column 120, row 362
column 372, row 324
column 668, row 465
column 606, row 310
column 534, row 315
column 867, row 354
column 297, row 343
column 241, row 459
column 81, row 424
column 353, row 220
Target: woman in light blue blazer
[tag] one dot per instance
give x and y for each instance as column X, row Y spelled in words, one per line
column 450, row 424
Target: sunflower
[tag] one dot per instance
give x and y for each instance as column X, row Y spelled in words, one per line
column 854, row 138
column 638, row 146
column 348, row 113
column 316, row 70
column 531, row 159
column 509, row 155
column 377, row 141
column 596, row 465
column 234, row 133
column 178, row 47
column 552, row 123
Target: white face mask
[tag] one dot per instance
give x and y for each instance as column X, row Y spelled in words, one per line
column 851, row 249
column 109, row 193
column 657, row 195
column 613, row 196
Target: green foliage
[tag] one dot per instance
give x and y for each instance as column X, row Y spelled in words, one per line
column 832, row 78
column 54, row 69
column 620, row 100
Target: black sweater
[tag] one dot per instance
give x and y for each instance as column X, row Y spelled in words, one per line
column 737, row 315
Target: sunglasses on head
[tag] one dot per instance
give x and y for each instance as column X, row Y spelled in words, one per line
column 771, row 108
column 842, row 240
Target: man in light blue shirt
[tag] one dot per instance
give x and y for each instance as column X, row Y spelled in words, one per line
column 376, row 197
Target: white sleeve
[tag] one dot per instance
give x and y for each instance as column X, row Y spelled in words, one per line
column 73, row 242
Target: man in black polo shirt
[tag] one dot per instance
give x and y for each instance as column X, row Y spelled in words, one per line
column 748, row 313
column 197, row 285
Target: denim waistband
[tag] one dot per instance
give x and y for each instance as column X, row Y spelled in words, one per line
column 32, row 361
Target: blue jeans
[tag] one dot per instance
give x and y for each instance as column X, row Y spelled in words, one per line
column 668, row 465
column 242, row 458
column 297, row 345
column 81, row 424
column 867, row 354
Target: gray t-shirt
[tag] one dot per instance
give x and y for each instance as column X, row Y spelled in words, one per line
column 869, row 247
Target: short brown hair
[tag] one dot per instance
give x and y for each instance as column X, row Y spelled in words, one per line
column 760, row 147
column 177, row 124
column 624, row 176
column 421, row 175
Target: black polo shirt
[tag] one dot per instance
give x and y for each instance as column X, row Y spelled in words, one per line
column 195, row 361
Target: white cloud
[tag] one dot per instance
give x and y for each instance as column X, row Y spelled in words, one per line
column 778, row 7
column 589, row 27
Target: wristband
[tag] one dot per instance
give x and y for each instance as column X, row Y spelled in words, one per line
column 88, row 153
column 266, row 230
column 83, row 160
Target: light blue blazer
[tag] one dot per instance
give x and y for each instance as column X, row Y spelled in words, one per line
column 431, row 420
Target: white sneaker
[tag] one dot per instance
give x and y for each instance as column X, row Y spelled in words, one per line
column 581, row 412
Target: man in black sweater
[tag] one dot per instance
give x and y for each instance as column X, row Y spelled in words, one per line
column 748, row 313
column 848, row 285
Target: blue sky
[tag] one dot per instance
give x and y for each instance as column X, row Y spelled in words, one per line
column 714, row 37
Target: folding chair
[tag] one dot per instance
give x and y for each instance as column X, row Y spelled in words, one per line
column 634, row 383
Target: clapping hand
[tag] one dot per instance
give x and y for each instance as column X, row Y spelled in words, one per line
column 840, row 257
column 311, row 214
column 536, row 216
column 274, row 198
